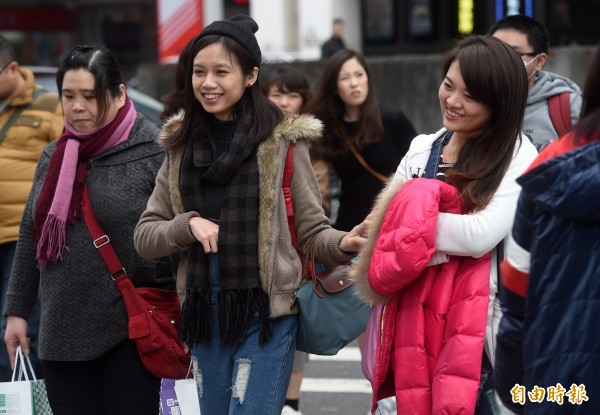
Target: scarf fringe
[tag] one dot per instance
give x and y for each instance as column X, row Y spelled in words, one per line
column 194, row 327
column 235, row 308
column 51, row 240
column 76, row 210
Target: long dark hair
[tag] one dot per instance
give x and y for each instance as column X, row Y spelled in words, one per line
column 288, row 79
column 196, row 120
column 173, row 99
column 104, row 67
column 495, row 76
column 588, row 127
column 329, row 108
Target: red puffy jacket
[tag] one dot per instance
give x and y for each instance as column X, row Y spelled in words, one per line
column 431, row 345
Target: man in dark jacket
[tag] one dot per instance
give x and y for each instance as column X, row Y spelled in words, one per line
column 335, row 42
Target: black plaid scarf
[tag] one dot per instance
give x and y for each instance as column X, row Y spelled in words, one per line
column 241, row 294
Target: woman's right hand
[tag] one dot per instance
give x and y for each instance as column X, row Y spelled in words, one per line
column 15, row 335
column 206, row 232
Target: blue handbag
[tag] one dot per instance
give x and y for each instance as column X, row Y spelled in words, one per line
column 331, row 314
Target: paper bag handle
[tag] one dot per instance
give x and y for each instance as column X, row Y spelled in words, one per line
column 20, row 359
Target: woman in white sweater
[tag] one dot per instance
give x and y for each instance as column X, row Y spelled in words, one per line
column 481, row 150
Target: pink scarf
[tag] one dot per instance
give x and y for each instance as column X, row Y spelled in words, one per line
column 61, row 197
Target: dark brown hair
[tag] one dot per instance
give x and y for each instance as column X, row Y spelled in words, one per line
column 196, row 120
column 288, row 79
column 173, row 99
column 103, row 65
column 327, row 106
column 495, row 76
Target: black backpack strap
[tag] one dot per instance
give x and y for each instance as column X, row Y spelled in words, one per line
column 11, row 120
column 42, row 101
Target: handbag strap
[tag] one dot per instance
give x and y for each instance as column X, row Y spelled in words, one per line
column 288, row 171
column 101, row 239
column 362, row 161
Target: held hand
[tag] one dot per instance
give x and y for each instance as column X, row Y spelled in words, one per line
column 206, row 232
column 15, row 335
column 355, row 239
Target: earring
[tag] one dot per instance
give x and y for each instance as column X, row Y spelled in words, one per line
column 248, row 85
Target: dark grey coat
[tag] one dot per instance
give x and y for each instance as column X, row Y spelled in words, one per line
column 83, row 315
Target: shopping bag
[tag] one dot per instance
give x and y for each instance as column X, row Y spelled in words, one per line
column 371, row 341
column 22, row 395
column 179, row 396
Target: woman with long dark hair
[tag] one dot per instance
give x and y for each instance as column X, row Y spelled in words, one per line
column 362, row 142
column 219, row 201
column 441, row 225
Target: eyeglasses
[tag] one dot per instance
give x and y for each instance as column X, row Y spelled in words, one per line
column 521, row 54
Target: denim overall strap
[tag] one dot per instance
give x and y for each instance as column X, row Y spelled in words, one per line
column 434, row 157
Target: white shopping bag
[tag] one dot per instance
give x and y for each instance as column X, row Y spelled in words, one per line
column 16, row 398
column 23, row 396
column 187, row 396
column 179, row 396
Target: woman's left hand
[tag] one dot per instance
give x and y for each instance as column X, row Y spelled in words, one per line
column 355, row 239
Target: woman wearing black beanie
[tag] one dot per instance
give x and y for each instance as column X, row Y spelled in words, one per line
column 218, row 200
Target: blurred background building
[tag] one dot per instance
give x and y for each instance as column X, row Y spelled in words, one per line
column 289, row 29
column 403, row 39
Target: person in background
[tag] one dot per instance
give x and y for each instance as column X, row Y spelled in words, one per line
column 548, row 335
column 173, row 100
column 90, row 365
column 529, row 38
column 435, row 271
column 218, row 200
column 336, row 41
column 287, row 88
column 363, row 142
column 30, row 118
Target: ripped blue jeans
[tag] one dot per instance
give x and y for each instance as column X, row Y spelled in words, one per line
column 249, row 379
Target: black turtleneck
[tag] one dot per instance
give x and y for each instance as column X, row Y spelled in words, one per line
column 213, row 193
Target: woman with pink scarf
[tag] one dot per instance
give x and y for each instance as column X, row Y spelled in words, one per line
column 90, row 365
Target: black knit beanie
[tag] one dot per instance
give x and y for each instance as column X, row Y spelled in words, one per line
column 240, row 28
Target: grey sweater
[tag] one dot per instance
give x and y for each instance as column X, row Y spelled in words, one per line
column 83, row 315
column 537, row 123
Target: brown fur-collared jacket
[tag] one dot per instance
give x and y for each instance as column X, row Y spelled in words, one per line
column 164, row 226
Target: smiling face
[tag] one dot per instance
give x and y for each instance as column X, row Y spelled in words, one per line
column 80, row 104
column 353, row 85
column 461, row 113
column 218, row 80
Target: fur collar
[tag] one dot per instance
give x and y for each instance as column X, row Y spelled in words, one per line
column 271, row 155
column 360, row 270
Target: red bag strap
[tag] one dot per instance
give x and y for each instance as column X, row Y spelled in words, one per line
column 101, row 240
column 559, row 108
column 288, row 171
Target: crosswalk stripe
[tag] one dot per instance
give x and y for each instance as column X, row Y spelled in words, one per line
column 347, row 354
column 335, row 385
